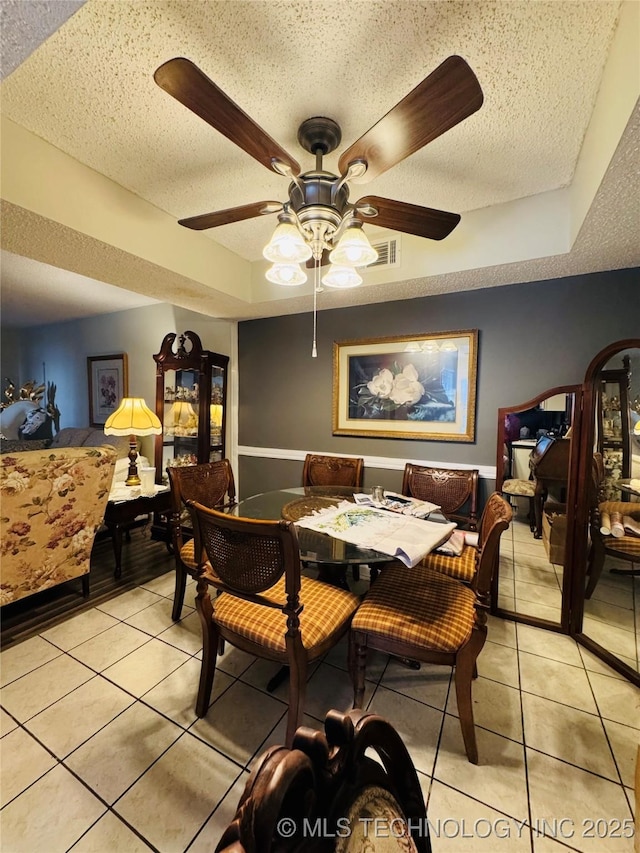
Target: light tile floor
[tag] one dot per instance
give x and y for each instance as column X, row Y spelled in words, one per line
column 531, row 585
column 102, row 751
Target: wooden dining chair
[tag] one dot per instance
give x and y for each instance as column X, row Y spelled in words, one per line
column 263, row 605
column 420, row 614
column 451, row 488
column 463, row 567
column 320, row 470
column 212, row 484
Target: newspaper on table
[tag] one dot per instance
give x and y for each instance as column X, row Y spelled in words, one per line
column 398, row 503
column 401, row 536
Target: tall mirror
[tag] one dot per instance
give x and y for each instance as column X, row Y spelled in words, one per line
column 533, row 462
column 610, row 586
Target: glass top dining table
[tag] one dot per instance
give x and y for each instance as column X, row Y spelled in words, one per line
column 293, row 503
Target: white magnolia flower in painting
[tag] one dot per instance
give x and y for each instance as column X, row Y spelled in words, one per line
column 406, row 390
column 382, row 384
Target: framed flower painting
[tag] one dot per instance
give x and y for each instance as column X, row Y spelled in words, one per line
column 108, row 384
column 418, row 387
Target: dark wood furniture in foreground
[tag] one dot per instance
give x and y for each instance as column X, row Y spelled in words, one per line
column 450, row 488
column 121, row 516
column 421, row 614
column 263, row 605
column 211, row 484
column 325, row 794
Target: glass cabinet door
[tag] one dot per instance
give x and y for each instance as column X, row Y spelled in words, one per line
column 217, row 413
column 191, row 391
column 613, row 430
column 180, row 421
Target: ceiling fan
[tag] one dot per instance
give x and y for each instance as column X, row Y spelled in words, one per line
column 318, row 207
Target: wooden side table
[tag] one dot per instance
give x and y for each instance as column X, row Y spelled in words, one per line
column 121, row 515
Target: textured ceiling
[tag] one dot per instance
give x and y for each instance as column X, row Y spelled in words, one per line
column 89, row 91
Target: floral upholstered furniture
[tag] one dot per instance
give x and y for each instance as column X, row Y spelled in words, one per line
column 52, row 502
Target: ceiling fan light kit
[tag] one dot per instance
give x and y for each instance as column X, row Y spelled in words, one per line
column 318, row 219
column 286, row 274
column 342, row 276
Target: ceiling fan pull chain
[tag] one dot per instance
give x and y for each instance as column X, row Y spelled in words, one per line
column 316, row 287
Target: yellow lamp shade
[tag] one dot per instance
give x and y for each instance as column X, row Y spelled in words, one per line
column 133, row 417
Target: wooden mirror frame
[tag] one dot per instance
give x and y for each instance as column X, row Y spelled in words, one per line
column 577, row 532
column 562, row 625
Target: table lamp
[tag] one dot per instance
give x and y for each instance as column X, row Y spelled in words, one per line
column 133, row 417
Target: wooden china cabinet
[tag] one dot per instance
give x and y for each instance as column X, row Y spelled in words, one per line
column 614, row 432
column 191, row 395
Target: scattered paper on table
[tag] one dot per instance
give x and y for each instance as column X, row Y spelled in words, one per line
column 402, row 536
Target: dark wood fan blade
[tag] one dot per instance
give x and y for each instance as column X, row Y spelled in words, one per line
column 448, row 95
column 232, row 214
column 187, row 84
column 410, row 218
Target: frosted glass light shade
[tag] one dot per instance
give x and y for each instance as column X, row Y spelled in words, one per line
column 340, row 276
column 354, row 249
column 133, row 417
column 287, row 246
column 286, row 274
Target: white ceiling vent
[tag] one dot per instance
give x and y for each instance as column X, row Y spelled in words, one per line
column 388, row 253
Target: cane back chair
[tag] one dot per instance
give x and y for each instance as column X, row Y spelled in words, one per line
column 212, row 484
column 420, row 614
column 322, row 470
column 263, row 605
column 465, row 566
column 450, row 488
column 319, row 470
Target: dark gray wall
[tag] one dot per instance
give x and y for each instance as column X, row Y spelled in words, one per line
column 532, row 337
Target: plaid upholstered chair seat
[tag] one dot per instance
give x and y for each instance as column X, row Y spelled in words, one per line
column 430, row 609
column 326, row 609
column 462, row 568
column 424, row 615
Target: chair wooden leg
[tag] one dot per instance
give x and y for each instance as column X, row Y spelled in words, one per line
column 178, row 595
column 210, row 639
column 297, row 692
column 465, row 667
column 85, row 585
column 359, row 663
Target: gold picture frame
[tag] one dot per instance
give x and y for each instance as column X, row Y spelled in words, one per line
column 415, row 387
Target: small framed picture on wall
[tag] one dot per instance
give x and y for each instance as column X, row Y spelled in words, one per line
column 108, row 384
